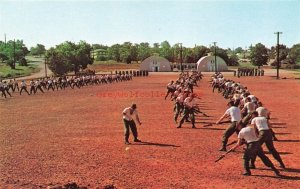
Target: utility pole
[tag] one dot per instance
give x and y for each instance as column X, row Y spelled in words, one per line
column 14, row 54
column 181, row 68
column 278, row 33
column 216, row 71
column 5, row 40
column 46, row 61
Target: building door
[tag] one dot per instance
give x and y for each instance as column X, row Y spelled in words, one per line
column 156, row 69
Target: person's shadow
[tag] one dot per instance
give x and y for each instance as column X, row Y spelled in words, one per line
column 155, row 144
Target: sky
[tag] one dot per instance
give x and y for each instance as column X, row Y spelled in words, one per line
column 230, row 23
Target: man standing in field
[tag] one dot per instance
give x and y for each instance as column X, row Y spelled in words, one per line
column 128, row 114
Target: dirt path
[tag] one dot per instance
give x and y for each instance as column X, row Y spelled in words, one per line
column 40, row 73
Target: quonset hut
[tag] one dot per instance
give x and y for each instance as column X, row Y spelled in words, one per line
column 156, row 64
column 207, row 64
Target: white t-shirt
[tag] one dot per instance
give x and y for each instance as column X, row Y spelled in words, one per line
column 170, row 86
column 180, row 98
column 250, row 107
column 189, row 103
column 129, row 113
column 248, row 133
column 23, row 84
column 261, row 123
column 235, row 113
column 253, row 98
column 262, row 112
column 236, row 96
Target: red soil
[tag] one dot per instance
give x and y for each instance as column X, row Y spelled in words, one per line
column 77, row 136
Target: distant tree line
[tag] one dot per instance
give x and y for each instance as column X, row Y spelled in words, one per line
column 129, row 52
column 69, row 56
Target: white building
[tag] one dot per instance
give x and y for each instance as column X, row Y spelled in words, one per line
column 156, row 64
column 207, row 64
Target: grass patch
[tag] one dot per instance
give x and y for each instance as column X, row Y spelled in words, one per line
column 20, row 71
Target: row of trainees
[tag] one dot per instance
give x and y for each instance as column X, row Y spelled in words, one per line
column 185, row 100
column 249, row 72
column 60, row 83
column 250, row 121
column 228, row 88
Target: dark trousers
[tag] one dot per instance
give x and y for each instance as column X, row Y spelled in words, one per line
column 254, row 149
column 39, row 87
column 7, row 90
column 32, row 88
column 229, row 131
column 24, row 88
column 186, row 113
column 216, row 86
column 169, row 91
column 3, row 92
column 16, row 86
column 178, row 108
column 11, row 87
column 266, row 137
column 52, row 87
column 132, row 126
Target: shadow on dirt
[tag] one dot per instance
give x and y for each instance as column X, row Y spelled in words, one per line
column 291, row 170
column 284, row 177
column 278, row 123
column 291, row 140
column 283, row 133
column 281, row 153
column 205, row 122
column 155, row 144
column 225, row 122
column 278, row 127
column 209, row 128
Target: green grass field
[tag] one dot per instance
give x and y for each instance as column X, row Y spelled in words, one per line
column 20, row 71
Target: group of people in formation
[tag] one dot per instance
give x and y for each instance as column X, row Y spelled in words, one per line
column 249, row 120
column 55, row 83
column 182, row 93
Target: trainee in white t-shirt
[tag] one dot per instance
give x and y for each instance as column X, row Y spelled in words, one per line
column 261, row 123
column 235, row 113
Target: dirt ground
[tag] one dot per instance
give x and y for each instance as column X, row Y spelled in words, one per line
column 77, row 136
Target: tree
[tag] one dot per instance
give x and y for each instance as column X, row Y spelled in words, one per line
column 23, row 62
column 114, row 52
column 13, row 51
column 200, row 51
column 144, row 51
column 294, row 54
column 166, row 51
column 155, row 49
column 239, row 50
column 283, row 53
column 38, row 50
column 221, row 53
column 99, row 46
column 125, row 54
column 233, row 60
column 69, row 56
column 259, row 55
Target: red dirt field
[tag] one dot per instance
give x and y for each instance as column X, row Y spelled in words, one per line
column 77, row 136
